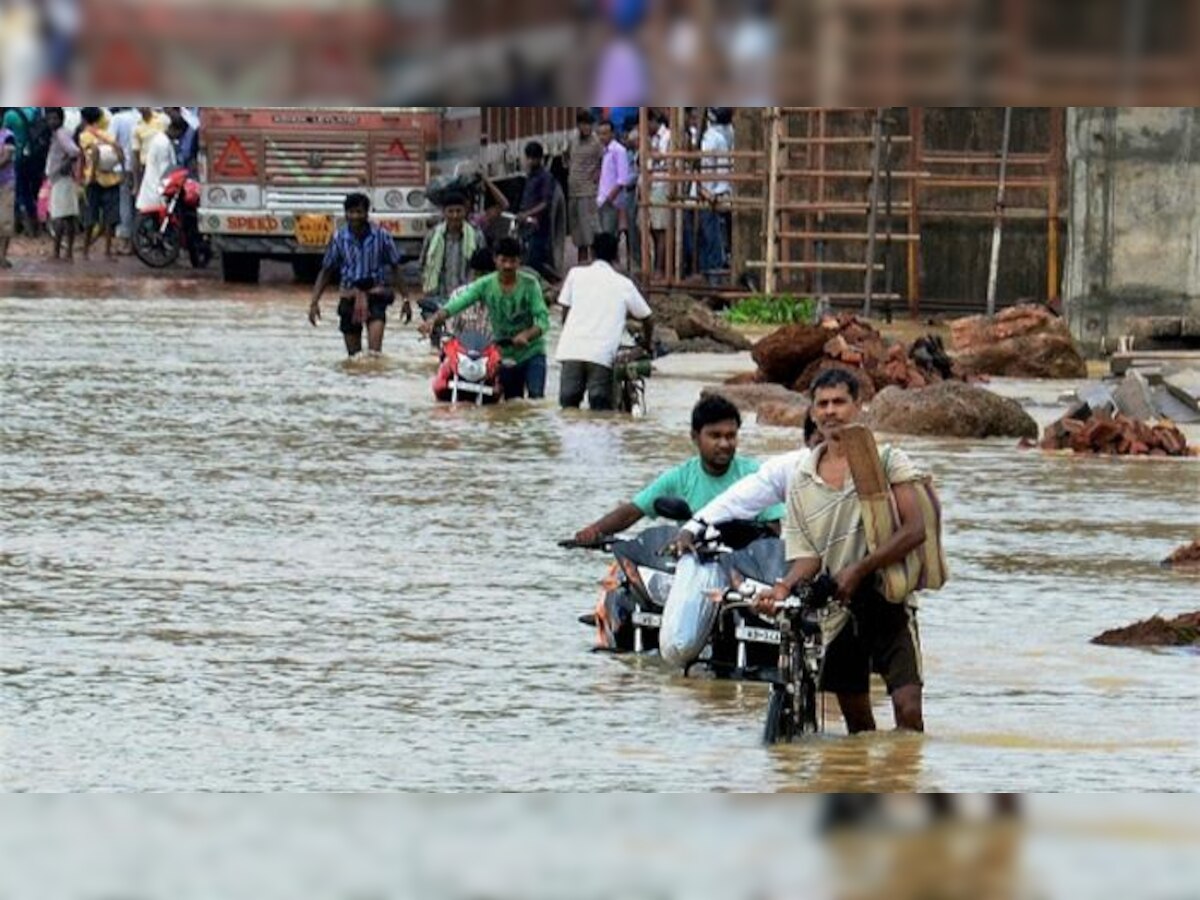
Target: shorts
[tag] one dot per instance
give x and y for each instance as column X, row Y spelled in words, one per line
column 103, row 206
column 581, row 220
column 377, row 305
column 64, row 198
column 880, row 637
column 659, row 215
column 8, row 215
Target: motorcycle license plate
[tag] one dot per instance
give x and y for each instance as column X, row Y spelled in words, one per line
column 472, row 387
column 647, row 620
column 313, row 230
column 753, row 635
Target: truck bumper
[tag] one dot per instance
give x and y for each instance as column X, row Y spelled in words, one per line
column 273, row 234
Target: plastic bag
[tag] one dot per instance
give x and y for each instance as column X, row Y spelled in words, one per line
column 690, row 612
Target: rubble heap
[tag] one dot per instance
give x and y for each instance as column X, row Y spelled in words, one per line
column 1025, row 341
column 1187, row 555
column 1085, row 430
column 795, row 355
column 1182, row 631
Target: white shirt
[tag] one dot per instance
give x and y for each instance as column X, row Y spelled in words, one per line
column 599, row 298
column 660, row 142
column 752, row 494
column 715, row 140
column 160, row 159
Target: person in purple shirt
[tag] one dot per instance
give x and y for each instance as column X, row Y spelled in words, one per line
column 614, row 174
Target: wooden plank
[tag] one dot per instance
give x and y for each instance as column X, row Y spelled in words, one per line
column 857, row 236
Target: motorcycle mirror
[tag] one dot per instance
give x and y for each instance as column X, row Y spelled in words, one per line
column 672, row 508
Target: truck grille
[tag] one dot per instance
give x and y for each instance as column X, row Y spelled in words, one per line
column 399, row 157
column 315, row 163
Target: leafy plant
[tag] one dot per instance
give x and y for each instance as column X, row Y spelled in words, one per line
column 771, row 309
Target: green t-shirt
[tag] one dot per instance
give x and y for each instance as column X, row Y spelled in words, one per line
column 511, row 313
column 689, row 481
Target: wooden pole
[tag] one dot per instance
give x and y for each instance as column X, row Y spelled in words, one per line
column 772, row 136
column 675, row 234
column 643, row 195
column 916, row 125
column 994, row 266
column 872, row 209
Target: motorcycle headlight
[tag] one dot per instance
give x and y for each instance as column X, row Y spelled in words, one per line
column 218, row 195
column 416, row 199
column 658, row 584
column 393, row 199
column 472, row 369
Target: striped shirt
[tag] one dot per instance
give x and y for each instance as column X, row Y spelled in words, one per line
column 826, row 523
column 355, row 259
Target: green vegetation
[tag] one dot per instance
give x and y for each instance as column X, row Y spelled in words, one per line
column 771, row 309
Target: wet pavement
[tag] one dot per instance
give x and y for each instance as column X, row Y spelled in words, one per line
column 230, row 560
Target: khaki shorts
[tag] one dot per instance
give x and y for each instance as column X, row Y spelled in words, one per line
column 581, row 220
column 659, row 215
column 8, row 216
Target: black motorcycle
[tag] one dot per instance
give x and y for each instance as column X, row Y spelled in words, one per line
column 639, row 581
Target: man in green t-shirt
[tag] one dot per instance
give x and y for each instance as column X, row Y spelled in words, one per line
column 518, row 316
column 699, row 480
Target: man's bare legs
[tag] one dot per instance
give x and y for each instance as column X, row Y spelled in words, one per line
column 906, row 705
column 375, row 335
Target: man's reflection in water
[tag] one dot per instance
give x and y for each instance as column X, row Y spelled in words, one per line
column 885, row 844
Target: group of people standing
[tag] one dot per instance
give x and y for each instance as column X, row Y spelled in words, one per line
column 603, row 172
column 91, row 169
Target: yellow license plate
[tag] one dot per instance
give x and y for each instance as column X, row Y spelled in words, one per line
column 314, row 230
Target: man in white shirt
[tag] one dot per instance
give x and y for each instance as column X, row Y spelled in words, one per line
column 596, row 300
column 714, row 191
column 660, row 213
column 160, row 159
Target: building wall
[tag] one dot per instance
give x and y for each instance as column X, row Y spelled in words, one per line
column 1134, row 245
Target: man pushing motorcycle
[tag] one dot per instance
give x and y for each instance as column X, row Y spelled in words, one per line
column 699, row 480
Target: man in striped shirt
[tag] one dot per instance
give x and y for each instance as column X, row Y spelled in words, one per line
column 360, row 255
column 824, row 531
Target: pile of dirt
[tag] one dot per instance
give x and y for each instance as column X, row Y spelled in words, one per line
column 1085, row 430
column 795, row 355
column 1185, row 557
column 1182, row 631
column 687, row 325
column 1024, row 341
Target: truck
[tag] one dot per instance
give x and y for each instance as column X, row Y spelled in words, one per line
column 273, row 179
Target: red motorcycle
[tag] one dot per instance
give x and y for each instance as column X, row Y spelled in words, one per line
column 160, row 233
column 470, row 369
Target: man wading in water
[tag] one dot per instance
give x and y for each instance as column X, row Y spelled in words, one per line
column 360, row 254
column 824, row 530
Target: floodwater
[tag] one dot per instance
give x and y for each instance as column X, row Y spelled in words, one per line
column 228, row 560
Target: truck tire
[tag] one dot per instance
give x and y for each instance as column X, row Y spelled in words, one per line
column 239, row 268
column 306, row 267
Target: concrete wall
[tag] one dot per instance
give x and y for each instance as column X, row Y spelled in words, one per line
column 1134, row 235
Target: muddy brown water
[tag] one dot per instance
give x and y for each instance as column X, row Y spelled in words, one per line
column 229, row 560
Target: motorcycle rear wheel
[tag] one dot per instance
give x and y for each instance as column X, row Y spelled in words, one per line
column 155, row 246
